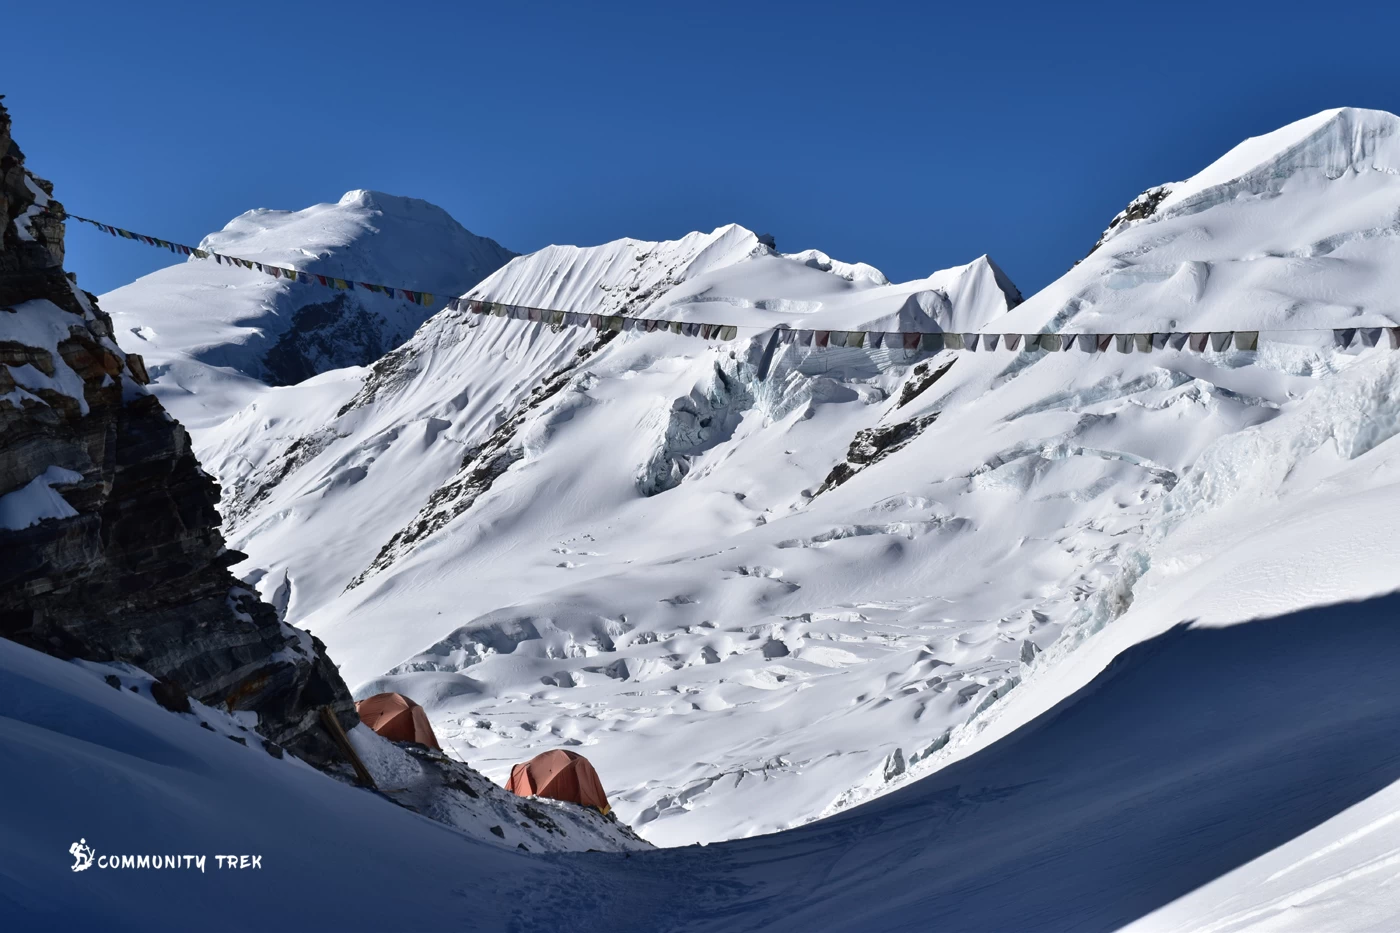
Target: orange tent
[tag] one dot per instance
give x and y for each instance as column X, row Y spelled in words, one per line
column 561, row 775
column 397, row 718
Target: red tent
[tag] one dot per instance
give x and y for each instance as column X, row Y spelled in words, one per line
column 560, row 775
column 397, row 718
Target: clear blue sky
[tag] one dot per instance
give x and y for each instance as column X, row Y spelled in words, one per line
column 909, row 136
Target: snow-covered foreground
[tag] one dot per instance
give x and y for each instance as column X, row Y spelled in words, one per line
column 1213, row 777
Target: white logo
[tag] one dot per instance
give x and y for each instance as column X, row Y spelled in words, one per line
column 82, row 855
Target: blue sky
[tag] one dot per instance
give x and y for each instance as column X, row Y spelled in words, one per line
column 909, row 136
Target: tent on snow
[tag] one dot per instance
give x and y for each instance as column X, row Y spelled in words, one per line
column 560, row 775
column 397, row 718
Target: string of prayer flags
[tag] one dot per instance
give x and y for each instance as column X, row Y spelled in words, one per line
column 908, row 341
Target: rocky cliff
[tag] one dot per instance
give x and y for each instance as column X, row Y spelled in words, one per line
column 110, row 546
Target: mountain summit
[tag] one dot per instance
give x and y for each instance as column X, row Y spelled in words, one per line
column 213, row 333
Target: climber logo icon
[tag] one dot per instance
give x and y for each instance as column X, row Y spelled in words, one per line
column 82, row 855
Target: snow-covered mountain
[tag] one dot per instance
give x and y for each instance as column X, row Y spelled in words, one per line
column 758, row 583
column 213, row 334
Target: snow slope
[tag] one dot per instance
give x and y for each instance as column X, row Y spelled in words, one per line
column 212, row 334
column 759, row 586
column 1132, row 801
column 85, row 761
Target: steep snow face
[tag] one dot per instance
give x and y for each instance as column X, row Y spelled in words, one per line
column 213, row 334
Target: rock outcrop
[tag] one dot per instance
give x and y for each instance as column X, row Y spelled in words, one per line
column 110, row 548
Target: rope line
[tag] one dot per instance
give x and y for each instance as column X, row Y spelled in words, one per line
column 925, row 341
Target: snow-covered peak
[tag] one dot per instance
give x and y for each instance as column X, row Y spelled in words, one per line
column 1323, row 147
column 214, row 335
column 851, row 271
column 1326, row 145
column 619, row 277
column 1288, row 231
column 367, row 236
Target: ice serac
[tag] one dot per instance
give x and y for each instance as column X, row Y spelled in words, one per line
column 109, row 535
column 211, row 330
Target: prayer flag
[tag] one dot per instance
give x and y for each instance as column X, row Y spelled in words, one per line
column 1220, row 341
column 876, row 339
column 1143, row 342
column 1249, row 339
column 991, row 340
column 1342, row 338
column 1177, row 341
column 910, row 340
column 1013, row 342
column 932, row 342
column 1125, row 342
column 838, row 338
column 821, row 338
column 969, row 341
column 953, row 341
column 728, row 332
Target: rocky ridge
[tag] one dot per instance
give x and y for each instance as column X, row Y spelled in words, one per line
column 110, row 548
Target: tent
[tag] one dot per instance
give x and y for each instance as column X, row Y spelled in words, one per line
column 560, row 775
column 397, row 718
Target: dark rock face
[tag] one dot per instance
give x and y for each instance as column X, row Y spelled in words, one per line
column 325, row 335
column 1139, row 208
column 871, row 445
column 125, row 561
